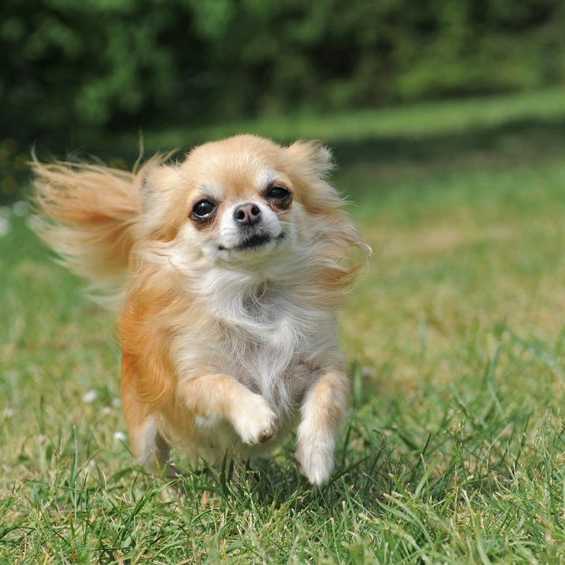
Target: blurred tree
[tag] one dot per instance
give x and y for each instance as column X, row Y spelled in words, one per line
column 108, row 64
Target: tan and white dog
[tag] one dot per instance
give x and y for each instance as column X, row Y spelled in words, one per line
column 228, row 268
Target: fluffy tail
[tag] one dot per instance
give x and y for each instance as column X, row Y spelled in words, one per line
column 87, row 215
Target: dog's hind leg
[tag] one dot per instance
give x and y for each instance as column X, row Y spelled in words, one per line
column 148, row 446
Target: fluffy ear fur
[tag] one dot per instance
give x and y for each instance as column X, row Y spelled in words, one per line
column 158, row 202
column 157, row 179
column 312, row 162
column 88, row 216
column 315, row 159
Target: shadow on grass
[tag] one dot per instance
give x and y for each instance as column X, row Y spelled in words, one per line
column 533, row 138
column 476, row 443
column 536, row 137
column 366, row 478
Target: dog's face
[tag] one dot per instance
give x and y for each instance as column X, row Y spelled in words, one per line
column 242, row 203
column 239, row 201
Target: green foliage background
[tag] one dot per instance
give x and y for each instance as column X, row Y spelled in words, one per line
column 105, row 65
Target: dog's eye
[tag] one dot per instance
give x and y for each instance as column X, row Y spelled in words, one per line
column 278, row 192
column 203, row 209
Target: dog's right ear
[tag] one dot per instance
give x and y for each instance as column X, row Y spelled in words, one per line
column 156, row 180
column 158, row 184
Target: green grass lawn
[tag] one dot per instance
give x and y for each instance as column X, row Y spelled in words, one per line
column 455, row 451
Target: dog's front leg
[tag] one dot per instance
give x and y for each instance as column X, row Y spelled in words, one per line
column 223, row 397
column 322, row 412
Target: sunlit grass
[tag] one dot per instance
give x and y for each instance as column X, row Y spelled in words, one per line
column 425, row 118
column 456, row 337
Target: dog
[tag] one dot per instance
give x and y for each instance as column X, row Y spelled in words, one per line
column 227, row 269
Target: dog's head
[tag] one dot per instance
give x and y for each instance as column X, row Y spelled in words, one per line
column 242, row 202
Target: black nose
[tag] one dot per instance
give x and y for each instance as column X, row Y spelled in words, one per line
column 247, row 214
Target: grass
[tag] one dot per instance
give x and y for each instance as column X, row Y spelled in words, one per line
column 456, row 335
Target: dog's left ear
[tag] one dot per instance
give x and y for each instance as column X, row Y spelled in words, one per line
column 312, row 162
column 314, row 159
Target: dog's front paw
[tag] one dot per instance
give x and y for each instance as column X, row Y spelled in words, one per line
column 255, row 422
column 315, row 453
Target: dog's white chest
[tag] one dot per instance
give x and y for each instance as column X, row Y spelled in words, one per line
column 270, row 353
column 271, row 345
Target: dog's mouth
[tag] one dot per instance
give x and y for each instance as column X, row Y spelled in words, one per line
column 254, row 241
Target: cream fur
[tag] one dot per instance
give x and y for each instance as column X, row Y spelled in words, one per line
column 224, row 349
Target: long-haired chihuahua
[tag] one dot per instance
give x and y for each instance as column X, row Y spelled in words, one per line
column 227, row 269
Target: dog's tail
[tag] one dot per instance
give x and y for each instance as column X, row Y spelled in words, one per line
column 87, row 214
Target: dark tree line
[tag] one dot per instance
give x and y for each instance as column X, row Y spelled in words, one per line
column 108, row 64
